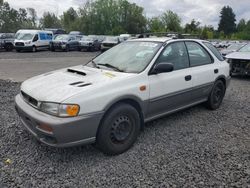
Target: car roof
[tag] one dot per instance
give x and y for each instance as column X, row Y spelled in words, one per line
column 164, row 39
column 154, row 39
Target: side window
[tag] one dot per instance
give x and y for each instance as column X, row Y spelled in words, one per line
column 197, row 54
column 176, row 54
column 214, row 51
column 42, row 36
column 49, row 36
column 35, row 38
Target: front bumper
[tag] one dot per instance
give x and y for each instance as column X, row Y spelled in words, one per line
column 59, row 46
column 24, row 48
column 85, row 47
column 228, row 80
column 66, row 132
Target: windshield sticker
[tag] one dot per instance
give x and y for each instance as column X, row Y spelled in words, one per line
column 148, row 44
column 110, row 75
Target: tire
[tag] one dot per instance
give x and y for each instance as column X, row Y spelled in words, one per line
column 67, row 48
column 216, row 96
column 34, row 49
column 18, row 50
column 118, row 130
column 9, row 47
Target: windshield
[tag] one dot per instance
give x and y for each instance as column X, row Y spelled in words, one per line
column 111, row 39
column 61, row 37
column 130, row 57
column 235, row 46
column 86, row 39
column 245, row 48
column 24, row 36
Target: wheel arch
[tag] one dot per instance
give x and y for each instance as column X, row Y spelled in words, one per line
column 223, row 79
column 134, row 101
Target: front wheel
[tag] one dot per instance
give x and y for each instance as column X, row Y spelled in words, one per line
column 67, row 48
column 9, row 47
column 216, row 96
column 34, row 49
column 119, row 129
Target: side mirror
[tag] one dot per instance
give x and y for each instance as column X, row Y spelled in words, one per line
column 163, row 67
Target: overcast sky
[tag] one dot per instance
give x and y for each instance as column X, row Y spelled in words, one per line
column 205, row 11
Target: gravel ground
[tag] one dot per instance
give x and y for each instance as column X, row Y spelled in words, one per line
column 42, row 54
column 192, row 148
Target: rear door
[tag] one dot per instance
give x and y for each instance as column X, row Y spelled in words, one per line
column 172, row 90
column 203, row 70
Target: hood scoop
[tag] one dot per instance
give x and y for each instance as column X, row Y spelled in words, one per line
column 76, row 72
column 80, row 84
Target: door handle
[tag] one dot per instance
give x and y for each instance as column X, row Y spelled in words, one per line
column 188, row 77
column 216, row 71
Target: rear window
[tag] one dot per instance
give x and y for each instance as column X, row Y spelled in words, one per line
column 214, row 50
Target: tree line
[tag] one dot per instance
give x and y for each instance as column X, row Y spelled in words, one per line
column 112, row 17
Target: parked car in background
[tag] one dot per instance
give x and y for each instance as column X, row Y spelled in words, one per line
column 108, row 100
column 232, row 48
column 215, row 44
column 100, row 38
column 32, row 40
column 56, row 31
column 89, row 44
column 223, row 44
column 240, row 61
column 75, row 33
column 65, row 43
column 7, row 41
column 109, row 42
column 124, row 37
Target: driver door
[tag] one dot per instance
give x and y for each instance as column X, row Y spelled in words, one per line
column 172, row 90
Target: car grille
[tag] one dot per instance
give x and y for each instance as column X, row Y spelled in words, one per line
column 57, row 44
column 19, row 44
column 30, row 100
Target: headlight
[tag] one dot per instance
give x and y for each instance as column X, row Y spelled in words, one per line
column 61, row 110
column 229, row 61
column 28, row 42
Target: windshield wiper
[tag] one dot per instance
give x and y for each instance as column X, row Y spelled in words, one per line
column 110, row 66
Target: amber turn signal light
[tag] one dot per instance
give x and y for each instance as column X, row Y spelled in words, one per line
column 45, row 128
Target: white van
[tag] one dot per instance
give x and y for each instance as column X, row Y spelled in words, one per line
column 124, row 37
column 32, row 40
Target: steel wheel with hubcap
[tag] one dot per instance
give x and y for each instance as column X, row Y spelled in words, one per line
column 119, row 129
column 216, row 96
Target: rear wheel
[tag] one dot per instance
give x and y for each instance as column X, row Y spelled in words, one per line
column 119, row 129
column 216, row 96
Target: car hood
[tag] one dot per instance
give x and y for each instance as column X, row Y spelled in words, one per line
column 109, row 42
column 59, row 41
column 86, row 41
column 62, row 84
column 239, row 55
column 16, row 40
